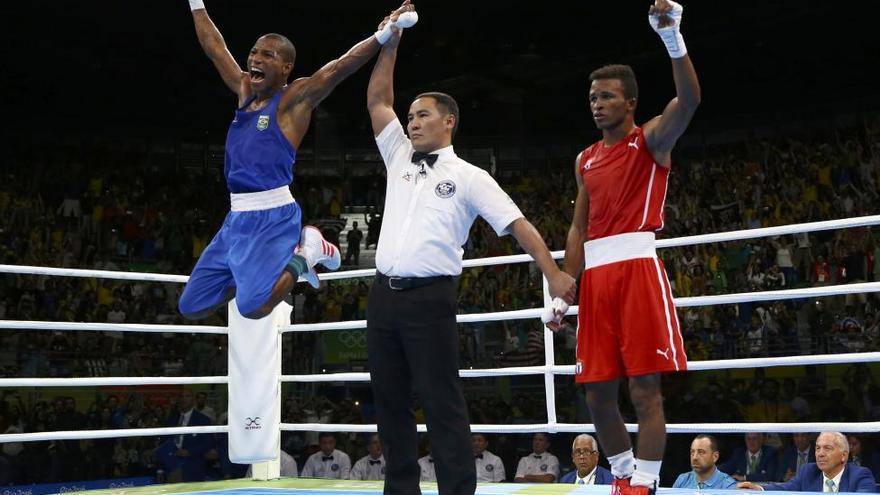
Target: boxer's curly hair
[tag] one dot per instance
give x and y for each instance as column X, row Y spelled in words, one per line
column 623, row 73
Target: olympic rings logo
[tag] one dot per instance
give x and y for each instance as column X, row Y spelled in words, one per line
column 353, row 339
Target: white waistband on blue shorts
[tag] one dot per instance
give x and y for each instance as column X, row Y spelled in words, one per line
column 620, row 247
column 263, row 200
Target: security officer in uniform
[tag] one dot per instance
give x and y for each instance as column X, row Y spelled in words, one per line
column 432, row 200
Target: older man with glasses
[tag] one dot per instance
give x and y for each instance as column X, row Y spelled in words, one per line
column 585, row 455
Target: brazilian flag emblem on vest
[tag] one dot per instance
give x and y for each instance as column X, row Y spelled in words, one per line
column 263, row 123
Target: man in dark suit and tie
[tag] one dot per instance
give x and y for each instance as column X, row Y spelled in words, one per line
column 183, row 456
column 585, row 455
column 797, row 454
column 754, row 462
column 829, row 474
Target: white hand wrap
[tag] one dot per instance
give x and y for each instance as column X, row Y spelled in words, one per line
column 196, row 4
column 404, row 20
column 555, row 311
column 671, row 34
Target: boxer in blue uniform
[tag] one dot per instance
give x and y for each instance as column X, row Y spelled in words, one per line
column 261, row 249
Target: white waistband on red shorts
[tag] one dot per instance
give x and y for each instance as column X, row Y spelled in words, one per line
column 263, row 200
column 620, row 247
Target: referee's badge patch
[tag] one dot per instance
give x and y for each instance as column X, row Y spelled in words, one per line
column 445, row 189
column 334, row 467
column 543, row 467
column 262, row 122
column 490, row 468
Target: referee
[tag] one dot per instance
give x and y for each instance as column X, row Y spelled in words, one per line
column 432, row 199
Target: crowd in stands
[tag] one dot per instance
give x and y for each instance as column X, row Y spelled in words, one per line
column 80, row 207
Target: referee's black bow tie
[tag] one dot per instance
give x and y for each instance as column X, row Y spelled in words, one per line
column 327, row 458
column 429, row 158
column 377, row 461
column 479, row 456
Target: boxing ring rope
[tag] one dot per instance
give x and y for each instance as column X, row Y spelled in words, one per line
column 549, row 369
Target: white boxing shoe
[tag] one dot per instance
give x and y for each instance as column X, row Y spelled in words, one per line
column 317, row 251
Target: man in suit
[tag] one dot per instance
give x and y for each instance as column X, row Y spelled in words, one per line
column 585, row 455
column 754, row 462
column 184, row 455
column 830, row 473
column 797, row 454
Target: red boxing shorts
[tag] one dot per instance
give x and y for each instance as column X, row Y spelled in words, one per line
column 627, row 325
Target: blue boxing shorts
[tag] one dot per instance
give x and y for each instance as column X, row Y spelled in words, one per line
column 248, row 254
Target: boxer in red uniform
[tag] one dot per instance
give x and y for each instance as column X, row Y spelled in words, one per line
column 627, row 326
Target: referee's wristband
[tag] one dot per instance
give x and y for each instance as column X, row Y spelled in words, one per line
column 673, row 40
column 196, row 4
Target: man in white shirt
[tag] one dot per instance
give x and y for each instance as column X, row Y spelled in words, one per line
column 432, row 199
column 372, row 465
column 489, row 466
column 540, row 466
column 327, row 462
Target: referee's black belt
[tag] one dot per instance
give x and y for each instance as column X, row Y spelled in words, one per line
column 407, row 283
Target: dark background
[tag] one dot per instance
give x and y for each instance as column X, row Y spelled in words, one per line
column 519, row 69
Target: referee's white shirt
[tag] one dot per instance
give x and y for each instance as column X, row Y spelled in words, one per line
column 489, row 467
column 365, row 470
column 539, row 464
column 428, row 216
column 336, row 466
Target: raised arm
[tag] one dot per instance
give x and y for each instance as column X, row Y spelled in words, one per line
column 380, row 91
column 577, row 232
column 662, row 132
column 215, row 47
column 312, row 90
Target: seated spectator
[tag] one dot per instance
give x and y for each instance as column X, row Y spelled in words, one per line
column 327, row 462
column 540, row 466
column 754, row 462
column 489, row 466
column 796, row 455
column 705, row 475
column 861, row 454
column 830, row 472
column 372, row 465
column 585, row 455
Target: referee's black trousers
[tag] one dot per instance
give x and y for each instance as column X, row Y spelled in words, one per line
column 412, row 340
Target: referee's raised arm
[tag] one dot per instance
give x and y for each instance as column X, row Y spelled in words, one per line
column 380, row 91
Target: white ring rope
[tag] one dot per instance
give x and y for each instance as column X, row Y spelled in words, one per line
column 109, row 327
column 92, row 434
column 852, row 427
column 815, row 427
column 733, row 235
column 78, row 272
column 682, row 302
column 558, row 369
column 548, row 370
column 520, row 314
column 105, row 381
